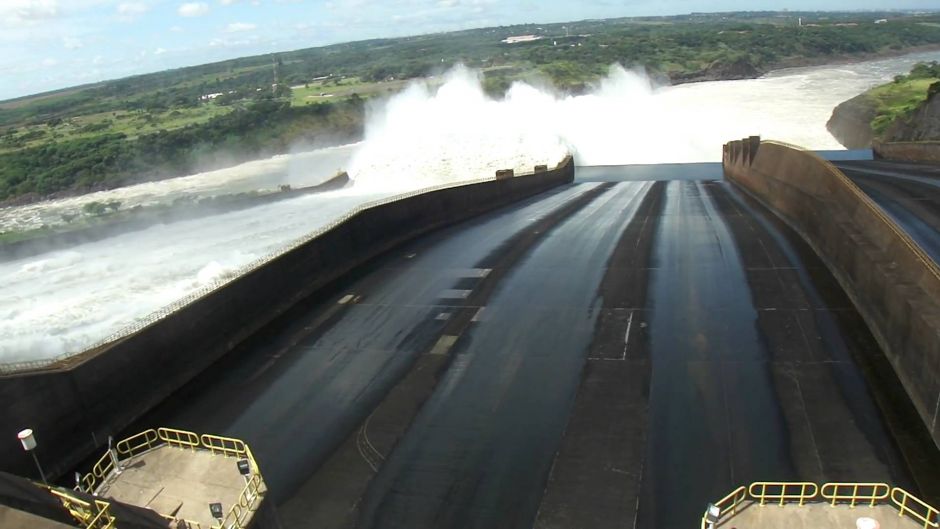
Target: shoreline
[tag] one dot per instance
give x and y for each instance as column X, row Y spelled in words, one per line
column 778, row 69
column 838, row 60
column 797, row 63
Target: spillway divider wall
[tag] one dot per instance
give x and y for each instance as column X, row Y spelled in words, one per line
column 893, row 283
column 74, row 404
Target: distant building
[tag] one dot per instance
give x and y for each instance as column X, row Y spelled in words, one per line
column 521, row 38
column 881, row 21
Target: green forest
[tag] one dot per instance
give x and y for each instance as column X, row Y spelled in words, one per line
column 897, row 101
column 180, row 121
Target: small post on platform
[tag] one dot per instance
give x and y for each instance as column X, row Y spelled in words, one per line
column 28, row 440
column 115, row 462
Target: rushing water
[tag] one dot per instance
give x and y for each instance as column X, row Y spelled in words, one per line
column 63, row 301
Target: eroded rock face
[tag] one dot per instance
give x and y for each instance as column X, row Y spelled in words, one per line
column 924, row 123
column 850, row 123
column 739, row 69
column 721, row 71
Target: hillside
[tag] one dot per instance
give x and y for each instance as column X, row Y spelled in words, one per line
column 179, row 121
column 906, row 109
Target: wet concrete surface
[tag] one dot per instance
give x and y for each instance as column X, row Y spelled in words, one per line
column 298, row 388
column 753, row 375
column 909, row 193
column 479, row 452
column 617, row 354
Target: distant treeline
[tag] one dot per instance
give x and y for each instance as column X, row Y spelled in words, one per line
column 569, row 54
column 111, row 160
column 41, row 154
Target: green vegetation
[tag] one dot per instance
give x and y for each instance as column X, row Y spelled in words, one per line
column 179, row 121
column 898, row 100
column 112, row 159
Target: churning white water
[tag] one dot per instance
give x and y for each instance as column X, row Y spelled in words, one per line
column 64, row 301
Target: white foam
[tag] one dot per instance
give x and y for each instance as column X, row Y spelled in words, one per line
column 65, row 301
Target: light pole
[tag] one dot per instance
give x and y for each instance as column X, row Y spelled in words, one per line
column 28, row 440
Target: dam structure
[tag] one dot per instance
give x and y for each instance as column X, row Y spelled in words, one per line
column 741, row 344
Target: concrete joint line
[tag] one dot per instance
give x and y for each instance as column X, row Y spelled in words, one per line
column 936, row 412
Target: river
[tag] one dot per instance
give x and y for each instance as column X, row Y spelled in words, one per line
column 66, row 300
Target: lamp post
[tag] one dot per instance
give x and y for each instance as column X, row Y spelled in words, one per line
column 28, row 440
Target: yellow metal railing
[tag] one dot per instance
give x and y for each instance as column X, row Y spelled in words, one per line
column 238, row 515
column 782, row 491
column 179, row 438
column 731, row 501
column 137, row 444
column 854, row 493
column 224, row 445
column 916, row 508
column 870, row 494
column 95, row 515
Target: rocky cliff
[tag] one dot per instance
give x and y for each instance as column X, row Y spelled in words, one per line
column 850, row 122
column 720, row 70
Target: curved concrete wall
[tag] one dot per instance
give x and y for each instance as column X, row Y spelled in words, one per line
column 910, row 151
column 75, row 406
column 893, row 283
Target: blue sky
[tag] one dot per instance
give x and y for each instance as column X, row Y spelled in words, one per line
column 49, row 44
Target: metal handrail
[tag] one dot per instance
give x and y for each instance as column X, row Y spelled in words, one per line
column 103, row 520
column 237, row 515
column 736, row 497
column 930, row 517
column 179, row 438
column 227, row 445
column 878, row 491
column 159, row 314
column 870, row 493
column 139, row 443
column 184, row 439
column 784, row 496
column 98, row 517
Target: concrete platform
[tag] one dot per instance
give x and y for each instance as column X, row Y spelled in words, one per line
column 814, row 516
column 177, row 482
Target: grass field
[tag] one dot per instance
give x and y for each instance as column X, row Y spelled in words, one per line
column 131, row 123
column 896, row 100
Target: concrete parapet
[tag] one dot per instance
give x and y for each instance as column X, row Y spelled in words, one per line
column 75, row 405
column 893, row 283
column 908, row 151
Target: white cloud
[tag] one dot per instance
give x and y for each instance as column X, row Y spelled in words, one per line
column 49, row 62
column 159, row 51
column 27, row 12
column 72, row 43
column 193, row 9
column 132, row 9
column 236, row 27
column 176, row 29
column 227, row 2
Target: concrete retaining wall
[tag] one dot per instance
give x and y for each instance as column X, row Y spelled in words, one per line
column 913, row 151
column 75, row 407
column 893, row 283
